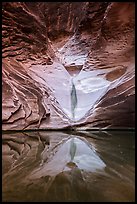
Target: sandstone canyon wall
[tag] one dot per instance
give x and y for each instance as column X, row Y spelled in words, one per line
column 68, row 64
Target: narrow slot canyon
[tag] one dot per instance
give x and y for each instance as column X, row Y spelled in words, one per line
column 91, row 43
column 68, row 101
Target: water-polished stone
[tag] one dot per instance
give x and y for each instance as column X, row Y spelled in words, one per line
column 44, row 45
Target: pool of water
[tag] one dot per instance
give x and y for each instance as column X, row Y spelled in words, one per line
column 82, row 166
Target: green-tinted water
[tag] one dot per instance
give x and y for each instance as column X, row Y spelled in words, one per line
column 68, row 166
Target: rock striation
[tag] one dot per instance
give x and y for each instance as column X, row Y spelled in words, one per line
column 47, row 45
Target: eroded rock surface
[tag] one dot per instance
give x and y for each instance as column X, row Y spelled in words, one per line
column 45, row 45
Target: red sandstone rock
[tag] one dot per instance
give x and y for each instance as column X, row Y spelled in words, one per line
column 45, row 44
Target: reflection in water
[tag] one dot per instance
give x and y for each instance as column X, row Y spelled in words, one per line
column 72, row 153
column 68, row 166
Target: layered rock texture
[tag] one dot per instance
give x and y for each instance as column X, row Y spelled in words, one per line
column 68, row 64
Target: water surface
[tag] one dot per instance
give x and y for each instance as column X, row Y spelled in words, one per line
column 82, row 166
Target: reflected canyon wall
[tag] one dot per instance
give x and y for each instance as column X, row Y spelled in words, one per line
column 45, row 44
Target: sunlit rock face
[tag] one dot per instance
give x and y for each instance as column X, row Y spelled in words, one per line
column 67, row 64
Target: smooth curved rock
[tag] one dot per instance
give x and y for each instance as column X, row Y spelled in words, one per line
column 93, row 42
